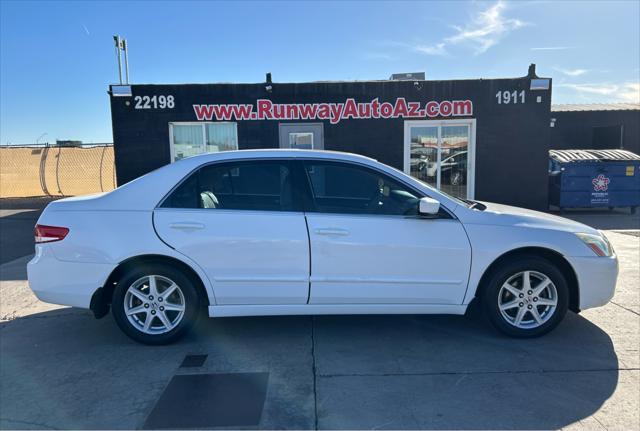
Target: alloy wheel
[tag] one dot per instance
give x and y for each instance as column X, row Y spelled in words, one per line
column 154, row 304
column 527, row 299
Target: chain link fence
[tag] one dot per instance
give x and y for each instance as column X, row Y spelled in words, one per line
column 56, row 171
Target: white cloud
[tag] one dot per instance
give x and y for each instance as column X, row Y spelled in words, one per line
column 484, row 30
column 437, row 49
column 571, row 72
column 628, row 92
column 377, row 56
column 551, row 48
column 487, row 29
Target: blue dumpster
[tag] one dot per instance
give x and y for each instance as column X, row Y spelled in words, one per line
column 594, row 178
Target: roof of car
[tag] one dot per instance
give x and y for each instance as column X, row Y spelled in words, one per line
column 277, row 153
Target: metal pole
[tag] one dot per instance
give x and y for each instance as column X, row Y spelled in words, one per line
column 117, row 40
column 40, row 137
column 125, row 48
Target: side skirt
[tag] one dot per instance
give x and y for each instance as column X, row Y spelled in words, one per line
column 311, row 309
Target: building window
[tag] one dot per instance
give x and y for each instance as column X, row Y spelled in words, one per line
column 190, row 139
column 301, row 140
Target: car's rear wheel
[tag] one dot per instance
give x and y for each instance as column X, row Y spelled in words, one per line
column 155, row 304
column 526, row 297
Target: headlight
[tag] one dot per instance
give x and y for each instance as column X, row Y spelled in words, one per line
column 597, row 243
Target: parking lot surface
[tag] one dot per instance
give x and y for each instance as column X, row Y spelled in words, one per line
column 61, row 368
column 18, row 216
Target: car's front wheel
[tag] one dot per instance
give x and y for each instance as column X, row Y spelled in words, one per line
column 526, row 297
column 155, row 304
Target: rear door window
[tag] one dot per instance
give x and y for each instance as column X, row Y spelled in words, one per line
column 264, row 185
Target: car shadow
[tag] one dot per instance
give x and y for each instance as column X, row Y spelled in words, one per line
column 394, row 372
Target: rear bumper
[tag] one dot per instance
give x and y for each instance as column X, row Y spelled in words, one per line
column 65, row 283
column 596, row 279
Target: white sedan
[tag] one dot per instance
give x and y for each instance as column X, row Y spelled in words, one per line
column 283, row 232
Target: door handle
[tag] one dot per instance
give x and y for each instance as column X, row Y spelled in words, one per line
column 186, row 226
column 332, row 231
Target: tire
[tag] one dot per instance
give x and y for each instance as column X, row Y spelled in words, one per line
column 504, row 289
column 172, row 313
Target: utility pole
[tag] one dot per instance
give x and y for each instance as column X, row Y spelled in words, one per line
column 122, row 48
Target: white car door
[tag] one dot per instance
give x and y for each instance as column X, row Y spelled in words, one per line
column 368, row 244
column 237, row 220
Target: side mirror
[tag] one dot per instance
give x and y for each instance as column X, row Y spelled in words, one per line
column 429, row 206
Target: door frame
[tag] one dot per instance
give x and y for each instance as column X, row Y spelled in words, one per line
column 471, row 151
column 314, row 147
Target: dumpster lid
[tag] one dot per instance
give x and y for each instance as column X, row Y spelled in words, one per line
column 614, row 154
column 566, row 156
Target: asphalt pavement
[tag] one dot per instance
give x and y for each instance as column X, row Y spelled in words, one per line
column 61, row 368
column 17, row 219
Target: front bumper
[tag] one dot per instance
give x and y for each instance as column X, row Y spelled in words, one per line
column 596, row 279
column 65, row 283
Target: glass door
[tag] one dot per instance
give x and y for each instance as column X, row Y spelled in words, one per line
column 454, row 148
column 437, row 152
column 424, row 154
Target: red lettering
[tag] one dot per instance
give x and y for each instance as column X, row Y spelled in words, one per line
column 264, row 109
column 400, row 110
column 292, row 112
column 375, row 108
column 203, row 112
column 279, row 112
column 414, row 108
column 386, row 110
column 432, row 109
column 324, row 111
column 350, row 109
column 242, row 112
column 307, row 111
column 222, row 112
column 445, row 108
column 336, row 112
column 462, row 107
column 364, row 110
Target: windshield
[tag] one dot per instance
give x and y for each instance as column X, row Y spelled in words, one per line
column 464, row 202
column 459, row 201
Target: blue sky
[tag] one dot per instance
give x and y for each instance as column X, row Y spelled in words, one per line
column 57, row 58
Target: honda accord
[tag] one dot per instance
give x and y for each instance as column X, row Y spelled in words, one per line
column 296, row 232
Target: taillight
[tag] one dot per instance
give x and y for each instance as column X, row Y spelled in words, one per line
column 50, row 233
